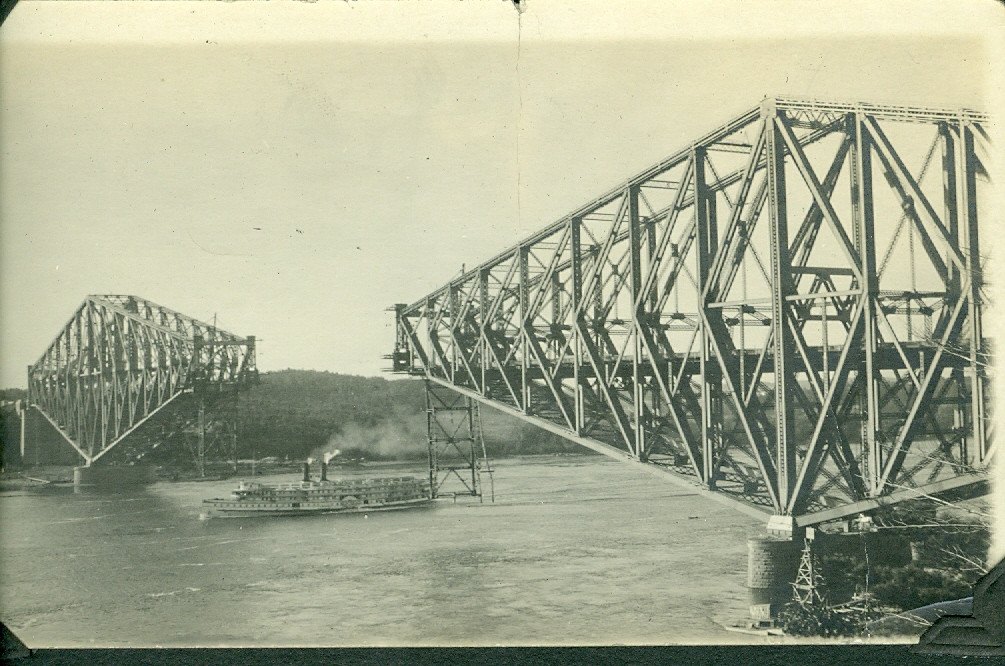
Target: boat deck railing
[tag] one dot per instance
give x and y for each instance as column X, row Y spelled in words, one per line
column 332, row 483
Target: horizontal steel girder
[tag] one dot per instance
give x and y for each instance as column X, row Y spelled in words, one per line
column 120, row 360
column 754, row 315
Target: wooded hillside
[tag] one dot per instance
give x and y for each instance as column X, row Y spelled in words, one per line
column 300, row 412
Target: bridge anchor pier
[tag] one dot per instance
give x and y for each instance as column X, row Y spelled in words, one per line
column 112, row 477
column 772, row 565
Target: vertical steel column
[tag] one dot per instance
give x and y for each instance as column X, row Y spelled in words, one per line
column 524, row 287
column 576, row 224
column 855, row 186
column 485, row 456
column 651, row 303
column 98, row 343
column 452, row 323
column 428, row 316
column 473, row 457
column 72, row 375
column 651, row 244
column 556, row 299
column 707, row 235
column 598, row 312
column 198, row 385
column 781, row 278
column 431, row 442
column 400, row 337
column 952, row 222
column 249, row 359
column 638, row 319
column 236, row 423
column 24, row 412
column 483, row 308
column 862, row 210
column 968, row 205
column 202, row 437
column 555, row 339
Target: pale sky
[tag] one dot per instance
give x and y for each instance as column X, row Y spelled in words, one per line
column 296, row 168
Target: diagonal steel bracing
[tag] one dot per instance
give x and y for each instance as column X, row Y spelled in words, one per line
column 722, row 317
column 121, row 360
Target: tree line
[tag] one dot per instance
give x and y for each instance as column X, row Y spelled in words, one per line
column 293, row 414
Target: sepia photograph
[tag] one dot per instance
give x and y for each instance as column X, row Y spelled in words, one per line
column 535, row 323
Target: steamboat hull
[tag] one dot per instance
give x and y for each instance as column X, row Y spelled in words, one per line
column 315, row 497
column 229, row 509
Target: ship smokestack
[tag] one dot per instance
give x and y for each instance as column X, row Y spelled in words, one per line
column 324, row 471
column 307, row 471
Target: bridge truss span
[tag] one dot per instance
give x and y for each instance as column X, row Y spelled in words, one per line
column 121, row 360
column 788, row 313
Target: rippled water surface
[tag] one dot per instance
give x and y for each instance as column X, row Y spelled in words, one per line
column 575, row 549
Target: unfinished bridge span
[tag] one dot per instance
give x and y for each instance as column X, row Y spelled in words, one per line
column 122, row 364
column 786, row 314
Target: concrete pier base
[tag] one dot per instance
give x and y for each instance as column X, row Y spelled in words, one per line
column 772, row 564
column 112, row 477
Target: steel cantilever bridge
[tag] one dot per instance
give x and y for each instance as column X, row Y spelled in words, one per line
column 121, row 361
column 785, row 314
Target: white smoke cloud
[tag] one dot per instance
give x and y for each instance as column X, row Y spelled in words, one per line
column 400, row 435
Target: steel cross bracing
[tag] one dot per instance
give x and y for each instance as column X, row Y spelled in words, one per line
column 457, row 454
column 121, row 360
column 786, row 313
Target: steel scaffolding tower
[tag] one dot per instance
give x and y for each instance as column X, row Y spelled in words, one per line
column 457, row 454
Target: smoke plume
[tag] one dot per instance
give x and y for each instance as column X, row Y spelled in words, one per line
column 401, row 435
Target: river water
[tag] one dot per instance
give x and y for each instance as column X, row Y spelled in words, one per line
column 574, row 550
